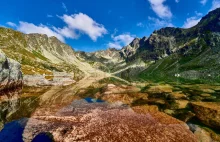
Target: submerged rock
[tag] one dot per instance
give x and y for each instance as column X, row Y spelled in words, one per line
column 82, row 121
column 10, row 73
column 204, row 134
column 208, row 113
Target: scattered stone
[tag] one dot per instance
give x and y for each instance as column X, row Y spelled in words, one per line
column 201, row 134
column 207, row 90
column 169, row 111
column 181, row 104
column 160, row 89
column 177, row 95
column 205, row 95
column 125, row 94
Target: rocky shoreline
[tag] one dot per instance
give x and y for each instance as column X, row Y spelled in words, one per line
column 57, row 79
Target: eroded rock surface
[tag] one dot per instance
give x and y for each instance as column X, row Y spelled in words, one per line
column 83, row 121
column 10, row 73
column 208, row 113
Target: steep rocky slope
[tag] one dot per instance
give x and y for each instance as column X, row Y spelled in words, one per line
column 39, row 54
column 169, row 54
column 105, row 60
column 10, row 73
column 113, row 60
column 182, row 54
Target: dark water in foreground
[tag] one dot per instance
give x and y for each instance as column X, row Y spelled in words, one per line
column 16, row 108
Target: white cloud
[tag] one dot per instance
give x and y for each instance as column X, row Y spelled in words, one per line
column 140, row 24
column 160, row 9
column 11, row 24
column 124, row 38
column 42, row 29
column 75, row 24
column 177, row 1
column 64, row 7
column 160, row 23
column 66, row 32
column 190, row 22
column 49, row 16
column 198, row 13
column 203, row 2
column 215, row 4
column 84, row 24
column 121, row 40
column 114, row 45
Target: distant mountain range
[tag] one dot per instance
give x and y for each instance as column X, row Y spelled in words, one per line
column 172, row 54
column 168, row 54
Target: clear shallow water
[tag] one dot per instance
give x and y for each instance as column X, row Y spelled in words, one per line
column 16, row 107
column 92, row 100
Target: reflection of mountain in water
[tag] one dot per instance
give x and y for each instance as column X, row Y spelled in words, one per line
column 13, row 106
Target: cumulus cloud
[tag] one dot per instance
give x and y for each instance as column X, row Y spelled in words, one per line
column 198, row 13
column 64, row 7
column 203, row 2
column 66, row 32
column 84, row 24
column 11, row 24
column 121, row 40
column 124, row 38
column 114, row 45
column 190, row 22
column 160, row 9
column 28, row 28
column 215, row 4
column 75, row 25
column 160, row 23
column 140, row 24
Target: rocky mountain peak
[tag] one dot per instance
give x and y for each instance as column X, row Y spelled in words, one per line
column 210, row 22
column 135, row 42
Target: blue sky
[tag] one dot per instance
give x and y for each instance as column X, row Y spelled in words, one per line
column 91, row 25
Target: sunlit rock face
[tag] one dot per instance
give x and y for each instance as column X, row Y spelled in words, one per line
column 83, row 121
column 10, row 73
column 208, row 113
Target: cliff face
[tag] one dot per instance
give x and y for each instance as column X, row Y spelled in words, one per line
column 10, row 73
column 39, row 54
column 191, row 54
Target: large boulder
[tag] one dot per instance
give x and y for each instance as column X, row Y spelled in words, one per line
column 208, row 113
column 10, row 73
